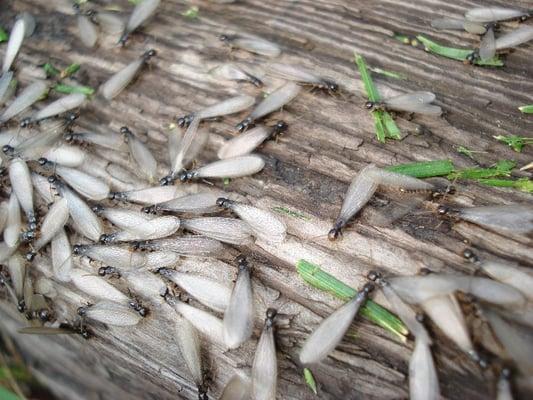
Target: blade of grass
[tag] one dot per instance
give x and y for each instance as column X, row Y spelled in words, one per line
column 456, row 54
column 370, row 88
column 67, row 89
column 7, row 395
column 526, row 109
column 393, row 131
column 3, row 35
column 381, row 133
column 502, row 168
column 313, row 275
column 425, row 169
column 523, row 184
column 191, row 12
column 70, row 70
column 50, row 70
column 515, row 142
column 310, row 380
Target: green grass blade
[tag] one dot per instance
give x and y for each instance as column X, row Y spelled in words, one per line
column 502, row 168
column 310, row 380
column 70, row 70
column 523, row 184
column 50, row 70
column 7, row 394
column 313, row 275
column 370, row 88
column 515, row 142
column 381, row 133
column 526, row 109
column 425, row 169
column 456, row 54
column 192, row 12
column 3, row 35
column 392, row 129
column 67, row 89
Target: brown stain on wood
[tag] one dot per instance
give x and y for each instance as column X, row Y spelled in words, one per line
column 308, row 170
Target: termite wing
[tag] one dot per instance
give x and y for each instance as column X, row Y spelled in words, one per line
column 331, row 330
column 513, row 218
column 232, row 72
column 55, row 219
column 239, row 314
column 195, row 203
column 253, row 45
column 303, row 76
column 118, row 82
column 495, row 14
column 110, row 313
column 110, row 140
column 265, row 364
column 227, row 230
column 458, row 24
column 414, row 102
column 234, row 167
column 86, row 29
column 142, row 156
column 150, row 195
column 23, row 27
column 238, row 388
column 188, row 246
column 274, row 101
column 140, row 14
column 265, row 225
column 225, row 107
column 363, row 187
column 22, row 186
column 250, row 140
column 13, row 226
column 207, row 291
column 60, row 106
column 24, row 100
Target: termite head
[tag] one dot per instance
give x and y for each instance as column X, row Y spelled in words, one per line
column 369, row 105
column 280, row 127
column 149, row 54
column 44, row 315
column 255, row 81
column 27, row 236
column 77, row 249
column 123, row 39
column 126, row 132
column 224, row 38
column 141, row 310
column 26, row 122
column 242, row 262
column 244, row 124
column 443, row 210
column 43, row 161
column 424, row 271
column 70, row 118
column 202, row 393
column 82, row 311
column 103, row 271
column 185, row 121
column 331, row 85
column 185, row 176
column 106, row 239
column 505, row 373
column 32, row 222
column 21, row 306
column 149, row 209
column 420, row 317
column 336, row 231
column 166, row 180
column 270, row 315
column 98, row 209
column 166, row 272
column 374, row 276
column 472, row 57
column 76, row 8
column 223, row 202
column 90, row 13
column 85, row 333
column 8, row 150
column 30, row 255
column 119, row 196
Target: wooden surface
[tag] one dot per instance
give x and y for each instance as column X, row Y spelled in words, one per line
column 308, row 170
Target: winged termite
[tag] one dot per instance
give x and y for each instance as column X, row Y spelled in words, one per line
column 207, row 291
column 331, row 330
column 189, row 246
column 265, row 225
column 140, row 14
column 274, row 101
column 239, row 314
column 24, row 100
column 118, row 82
column 149, row 195
column 232, row 72
column 142, row 156
column 84, row 220
column 196, row 203
column 61, row 255
column 60, row 106
column 189, row 345
column 303, row 76
column 494, row 14
column 414, row 102
column 110, row 140
column 514, row 218
column 225, row 107
column 110, row 313
column 87, row 31
column 458, row 24
column 114, row 256
column 234, row 167
column 227, row 230
column 265, row 364
column 250, row 140
column 155, row 228
column 87, row 185
column 96, row 286
column 53, row 222
column 253, row 45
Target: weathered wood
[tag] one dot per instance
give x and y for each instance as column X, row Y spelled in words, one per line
column 308, row 170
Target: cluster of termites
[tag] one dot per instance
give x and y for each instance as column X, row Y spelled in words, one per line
column 100, row 215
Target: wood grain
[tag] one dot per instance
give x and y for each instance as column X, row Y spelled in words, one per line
column 330, row 138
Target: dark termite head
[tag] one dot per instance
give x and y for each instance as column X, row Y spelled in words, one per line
column 373, row 276
column 124, row 38
column 169, row 179
column 44, row 315
column 223, row 202
column 420, row 317
column 330, row 85
column 185, row 176
column 166, row 272
column 369, row 105
column 443, row 210
column 505, row 373
column 472, row 57
column 224, row 38
column 149, row 54
column 279, row 128
column 149, row 209
column 185, row 121
column 82, row 311
column 43, row 161
column 103, row 271
column 126, row 132
column 30, row 255
column 77, row 249
column 139, row 308
column 368, row 288
column 336, row 231
column 90, row 13
column 241, row 261
column 98, row 209
column 106, row 239
column 270, row 315
column 255, row 81
column 116, row 196
column 424, row 271
column 244, row 124
column 27, row 236
column 21, row 306
column 440, row 192
column 76, row 8
column 8, row 150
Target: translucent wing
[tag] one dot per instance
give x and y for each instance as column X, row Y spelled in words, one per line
column 515, row 38
column 293, row 73
column 448, row 24
column 228, row 230
column 487, row 48
column 257, row 46
column 235, row 167
column 359, row 193
column 493, row 14
column 414, row 102
column 276, row 100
